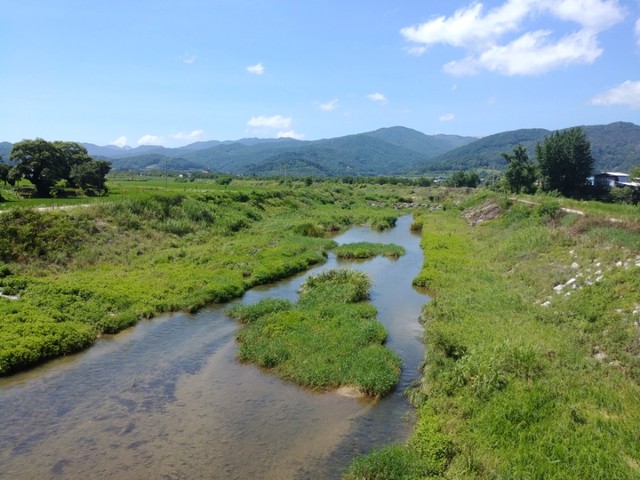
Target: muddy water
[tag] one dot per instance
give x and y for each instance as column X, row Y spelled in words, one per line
column 167, row 400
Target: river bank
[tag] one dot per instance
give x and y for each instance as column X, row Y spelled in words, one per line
column 532, row 363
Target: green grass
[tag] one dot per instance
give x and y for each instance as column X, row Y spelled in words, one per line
column 521, row 381
column 329, row 338
column 83, row 272
column 368, row 250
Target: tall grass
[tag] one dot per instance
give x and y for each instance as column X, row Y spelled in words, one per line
column 521, row 381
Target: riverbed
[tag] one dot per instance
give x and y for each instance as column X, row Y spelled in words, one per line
column 167, row 399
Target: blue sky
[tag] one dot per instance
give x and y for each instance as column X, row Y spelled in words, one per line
column 173, row 72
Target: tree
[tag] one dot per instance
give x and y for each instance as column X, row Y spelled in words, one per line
column 634, row 173
column 4, row 171
column 38, row 161
column 564, row 161
column 520, row 174
column 463, row 179
column 72, row 154
column 90, row 176
column 45, row 163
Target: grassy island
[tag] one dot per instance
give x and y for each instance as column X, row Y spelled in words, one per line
column 329, row 338
column 362, row 250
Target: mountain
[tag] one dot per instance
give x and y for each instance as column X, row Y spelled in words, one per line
column 386, row 151
column 429, row 145
column 615, row 147
column 5, row 151
column 485, row 153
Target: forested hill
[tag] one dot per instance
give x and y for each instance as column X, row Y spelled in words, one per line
column 387, row 151
column 615, row 147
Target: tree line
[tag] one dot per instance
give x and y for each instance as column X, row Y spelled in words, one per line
column 564, row 163
column 50, row 164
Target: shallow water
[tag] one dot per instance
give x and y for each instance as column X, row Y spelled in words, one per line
column 167, row 399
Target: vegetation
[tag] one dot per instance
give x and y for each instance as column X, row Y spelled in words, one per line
column 72, row 275
column 520, row 174
column 463, row 179
column 564, row 161
column 329, row 338
column 44, row 164
column 613, row 146
column 532, row 363
column 368, row 250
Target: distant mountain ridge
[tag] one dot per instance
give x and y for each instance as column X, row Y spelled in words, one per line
column 615, row 146
column 386, row 151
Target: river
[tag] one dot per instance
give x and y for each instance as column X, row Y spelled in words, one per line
column 166, row 399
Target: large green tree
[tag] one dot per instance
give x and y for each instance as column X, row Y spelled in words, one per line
column 45, row 163
column 564, row 161
column 520, row 175
column 72, row 154
column 90, row 176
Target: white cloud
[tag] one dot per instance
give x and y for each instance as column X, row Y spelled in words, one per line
column 526, row 51
column 531, row 54
column 257, row 69
column 188, row 58
column 291, row 134
column 377, row 97
column 194, row 135
column 119, row 142
column 628, row 93
column 447, row 117
column 150, row 140
column 330, row 105
column 276, row 121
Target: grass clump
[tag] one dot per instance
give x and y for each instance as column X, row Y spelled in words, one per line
column 368, row 250
column 329, row 338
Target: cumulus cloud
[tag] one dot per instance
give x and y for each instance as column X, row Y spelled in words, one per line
column 330, row 105
column 291, row 134
column 150, row 140
column 119, row 142
column 377, row 97
column 498, row 39
column 628, row 93
column 257, row 69
column 447, row 117
column 276, row 121
column 194, row 135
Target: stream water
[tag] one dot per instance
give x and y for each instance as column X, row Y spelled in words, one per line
column 167, row 399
